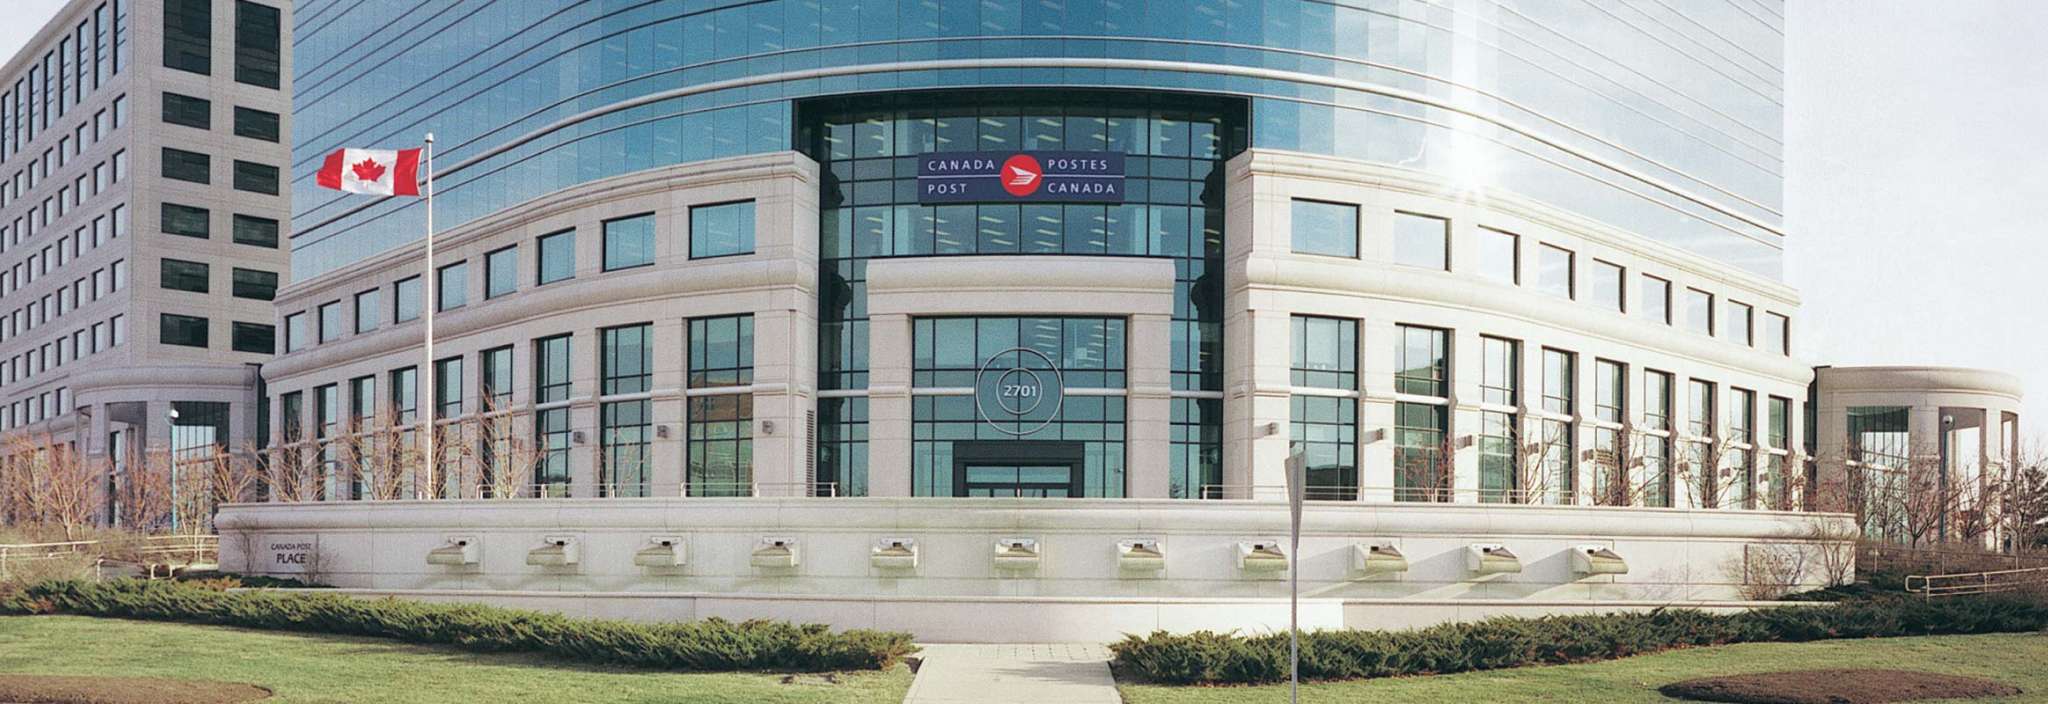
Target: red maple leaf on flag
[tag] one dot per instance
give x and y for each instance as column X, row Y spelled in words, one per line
column 368, row 170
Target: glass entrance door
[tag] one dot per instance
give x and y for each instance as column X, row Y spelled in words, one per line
column 1042, row 481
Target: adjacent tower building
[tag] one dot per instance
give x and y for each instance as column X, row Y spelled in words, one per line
column 143, row 147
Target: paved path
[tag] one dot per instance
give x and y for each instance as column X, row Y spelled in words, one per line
column 1014, row 674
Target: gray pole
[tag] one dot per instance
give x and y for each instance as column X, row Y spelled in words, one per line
column 1296, row 477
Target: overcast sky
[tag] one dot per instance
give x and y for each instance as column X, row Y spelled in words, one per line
column 1916, row 190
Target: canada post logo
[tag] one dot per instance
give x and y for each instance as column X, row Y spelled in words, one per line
column 997, row 177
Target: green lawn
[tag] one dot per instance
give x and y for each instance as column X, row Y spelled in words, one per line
column 2020, row 660
column 309, row 668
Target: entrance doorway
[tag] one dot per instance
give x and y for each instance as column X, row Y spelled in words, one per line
column 1018, row 468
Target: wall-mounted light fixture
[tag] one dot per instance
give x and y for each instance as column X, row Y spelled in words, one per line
column 767, row 427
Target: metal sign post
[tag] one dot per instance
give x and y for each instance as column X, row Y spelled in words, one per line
column 1296, row 477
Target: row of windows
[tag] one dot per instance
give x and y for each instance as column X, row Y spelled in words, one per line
column 196, row 222
column 82, row 61
column 1325, row 429
column 196, row 167
column 1424, row 241
column 197, row 113
column 102, row 177
column 74, row 346
column 103, row 281
column 32, row 409
column 718, row 415
column 191, row 331
column 195, row 277
column 69, row 148
column 716, row 230
column 188, row 40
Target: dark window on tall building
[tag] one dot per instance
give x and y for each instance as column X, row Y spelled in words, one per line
column 260, row 285
column 187, row 166
column 252, row 230
column 255, row 178
column 258, row 41
column 183, row 330
column 188, row 35
column 501, row 272
column 181, row 275
column 186, row 220
column 188, row 111
column 255, row 337
column 256, row 124
column 719, row 230
column 629, row 242
column 557, row 259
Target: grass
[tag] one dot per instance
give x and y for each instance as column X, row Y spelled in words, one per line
column 2016, row 659
column 311, row 668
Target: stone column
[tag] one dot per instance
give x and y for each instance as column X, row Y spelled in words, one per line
column 784, row 342
column 889, row 450
column 1149, row 409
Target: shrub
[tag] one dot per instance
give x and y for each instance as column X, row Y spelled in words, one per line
column 1227, row 658
column 708, row 645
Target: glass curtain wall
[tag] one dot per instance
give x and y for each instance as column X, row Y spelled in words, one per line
column 1175, row 147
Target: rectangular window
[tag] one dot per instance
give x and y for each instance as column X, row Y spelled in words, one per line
column 258, row 44
column 1655, row 302
column 188, row 35
column 501, row 272
column 494, row 387
column 1699, row 311
column 254, row 337
column 627, row 365
column 448, row 387
column 1700, row 423
column 255, row 231
column 405, row 300
column 182, row 330
column 251, row 283
column 1703, row 453
column 182, row 165
column 256, row 124
column 720, row 230
column 551, row 384
column 1778, row 437
column 186, row 221
column 1657, row 400
column 295, row 332
column 1777, row 334
column 1325, row 353
column 557, row 257
column 1325, row 429
column 1560, row 448
column 1608, row 283
column 330, row 321
column 369, row 309
column 255, row 178
column 188, row 111
column 629, row 242
column 1422, row 367
column 1499, row 428
column 1500, row 256
column 1742, row 323
column 623, row 435
column 1610, row 391
column 1554, row 270
column 181, row 275
column 1329, row 229
column 720, row 435
column 452, row 289
column 1422, row 241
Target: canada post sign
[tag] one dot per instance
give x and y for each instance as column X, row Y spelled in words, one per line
column 1001, row 177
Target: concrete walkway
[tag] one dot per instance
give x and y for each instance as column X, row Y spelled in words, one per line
column 1014, row 674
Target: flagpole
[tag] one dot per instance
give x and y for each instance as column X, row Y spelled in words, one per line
column 427, row 393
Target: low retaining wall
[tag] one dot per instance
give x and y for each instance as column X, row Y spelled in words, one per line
column 1079, row 589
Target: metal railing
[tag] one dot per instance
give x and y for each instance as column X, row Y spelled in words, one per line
column 1968, row 583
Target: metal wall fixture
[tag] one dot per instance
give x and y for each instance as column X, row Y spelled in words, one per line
column 1377, row 558
column 555, row 551
column 775, row 553
column 1597, row 559
column 1017, row 554
column 1491, row 558
column 1140, row 556
column 1263, row 556
column 456, row 551
column 894, row 554
column 662, row 552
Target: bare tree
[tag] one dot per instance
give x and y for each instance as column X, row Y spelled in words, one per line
column 49, row 482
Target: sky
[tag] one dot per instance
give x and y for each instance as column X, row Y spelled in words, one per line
column 1916, row 190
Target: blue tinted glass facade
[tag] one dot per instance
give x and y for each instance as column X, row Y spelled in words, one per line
column 1662, row 123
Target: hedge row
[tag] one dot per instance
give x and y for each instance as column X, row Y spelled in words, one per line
column 1227, row 658
column 708, row 645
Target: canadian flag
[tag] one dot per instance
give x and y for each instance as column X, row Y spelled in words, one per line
column 387, row 172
